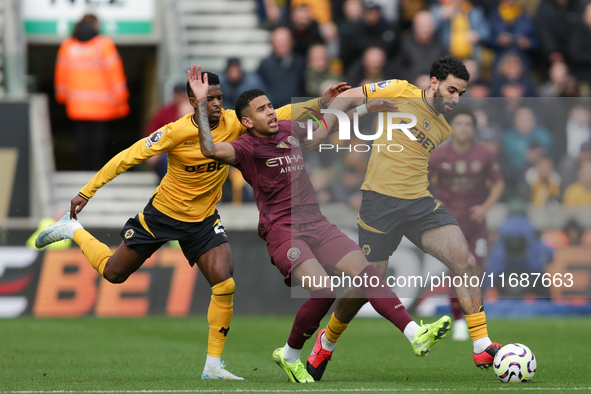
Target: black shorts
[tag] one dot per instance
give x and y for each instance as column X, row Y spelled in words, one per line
column 383, row 220
column 151, row 229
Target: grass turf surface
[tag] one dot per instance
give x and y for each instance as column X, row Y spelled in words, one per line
column 160, row 354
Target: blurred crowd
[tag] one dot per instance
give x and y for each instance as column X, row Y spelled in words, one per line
column 530, row 68
column 515, row 51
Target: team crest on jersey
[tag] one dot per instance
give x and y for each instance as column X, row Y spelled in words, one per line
column 128, row 234
column 476, row 166
column 426, row 124
column 461, row 167
column 154, row 138
column 293, row 254
column 293, row 141
column 366, row 249
column 384, row 84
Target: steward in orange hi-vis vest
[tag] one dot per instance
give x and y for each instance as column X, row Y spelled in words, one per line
column 89, row 79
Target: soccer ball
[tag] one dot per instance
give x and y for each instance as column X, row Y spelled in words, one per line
column 515, row 363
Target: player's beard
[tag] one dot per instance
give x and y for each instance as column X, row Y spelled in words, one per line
column 438, row 102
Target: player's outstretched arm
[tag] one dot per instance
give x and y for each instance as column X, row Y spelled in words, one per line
column 222, row 151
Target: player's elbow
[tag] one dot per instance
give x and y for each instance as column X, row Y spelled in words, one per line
column 209, row 153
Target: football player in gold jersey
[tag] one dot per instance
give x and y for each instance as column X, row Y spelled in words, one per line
column 183, row 208
column 396, row 201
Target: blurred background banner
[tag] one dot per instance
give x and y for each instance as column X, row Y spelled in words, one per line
column 56, row 17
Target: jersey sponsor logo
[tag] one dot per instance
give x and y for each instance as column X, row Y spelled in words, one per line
column 155, row 137
column 293, row 141
column 282, row 145
column 190, row 143
column 461, row 167
column 206, row 167
column 293, row 253
column 426, row 124
column 277, row 161
column 148, row 143
column 129, row 233
column 372, row 87
column 425, row 142
column 384, row 84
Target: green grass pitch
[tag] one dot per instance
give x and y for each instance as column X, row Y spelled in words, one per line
column 159, row 354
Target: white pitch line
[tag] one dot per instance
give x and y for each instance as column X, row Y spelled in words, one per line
column 284, row 390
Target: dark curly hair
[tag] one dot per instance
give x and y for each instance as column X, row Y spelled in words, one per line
column 243, row 101
column 212, row 78
column 447, row 65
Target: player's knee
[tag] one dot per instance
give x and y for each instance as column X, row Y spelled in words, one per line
column 468, row 263
column 114, row 275
column 226, row 287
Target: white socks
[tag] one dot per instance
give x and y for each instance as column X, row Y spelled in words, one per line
column 71, row 227
column 326, row 344
column 212, row 362
column 410, row 330
column 481, row 344
column 291, row 355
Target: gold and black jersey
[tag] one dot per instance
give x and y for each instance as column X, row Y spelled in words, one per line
column 403, row 174
column 193, row 183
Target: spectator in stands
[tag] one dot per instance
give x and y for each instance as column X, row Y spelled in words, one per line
column 518, row 138
column 579, row 45
column 544, row 183
column 408, row 10
column 321, row 10
column 510, row 69
column 422, row 82
column 512, row 30
column 271, row 12
column 479, row 89
column 473, row 68
column 418, row 50
column 554, row 21
column 318, row 71
column 283, row 71
column 518, row 249
column 304, row 28
column 90, row 81
column 369, row 68
column 350, row 175
column 390, row 10
column 569, row 165
column 169, row 112
column 489, row 137
column 352, row 15
column 578, row 129
column 557, row 84
column 371, row 31
column 462, row 27
column 235, row 80
column 579, row 193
